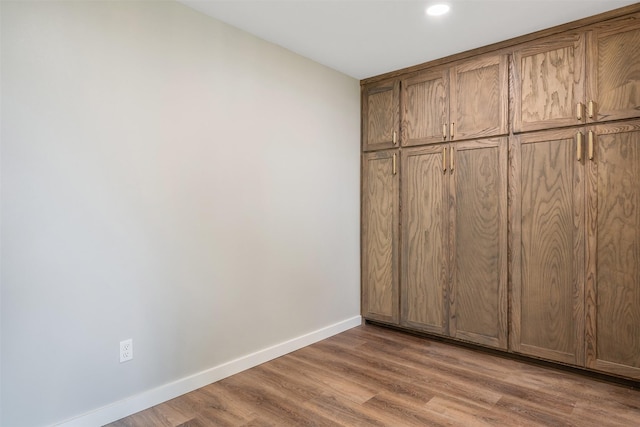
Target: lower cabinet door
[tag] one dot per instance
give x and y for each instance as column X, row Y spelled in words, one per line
column 380, row 227
column 613, row 255
column 478, row 212
column 547, row 231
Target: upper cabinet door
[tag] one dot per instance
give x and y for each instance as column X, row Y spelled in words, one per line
column 380, row 104
column 425, row 108
column 613, row 54
column 549, row 83
column 479, row 98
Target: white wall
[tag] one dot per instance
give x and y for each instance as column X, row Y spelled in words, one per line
column 165, row 178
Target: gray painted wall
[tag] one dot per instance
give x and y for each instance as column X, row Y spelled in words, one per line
column 166, row 178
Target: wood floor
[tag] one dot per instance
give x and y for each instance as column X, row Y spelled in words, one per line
column 372, row 376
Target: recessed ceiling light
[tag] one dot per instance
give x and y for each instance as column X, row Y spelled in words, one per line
column 437, row 9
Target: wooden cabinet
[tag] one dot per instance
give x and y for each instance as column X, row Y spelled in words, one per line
column 425, row 238
column 613, row 90
column 380, row 227
column 613, row 256
column 465, row 101
column 380, row 120
column 478, row 212
column 547, row 235
column 454, row 270
column 578, row 77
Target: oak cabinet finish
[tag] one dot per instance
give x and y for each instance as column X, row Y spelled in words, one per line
column 380, row 216
column 578, row 77
column 549, row 79
column 380, row 120
column 613, row 257
column 425, row 238
column 454, row 271
column 560, row 280
column 478, row 213
column 547, row 232
column 468, row 100
column 425, row 108
column 614, row 70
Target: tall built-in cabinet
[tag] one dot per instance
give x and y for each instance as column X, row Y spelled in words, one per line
column 501, row 196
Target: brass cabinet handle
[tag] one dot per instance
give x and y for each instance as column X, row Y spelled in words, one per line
column 444, row 159
column 579, row 145
column 590, row 145
column 444, row 131
column 393, row 165
column 591, row 111
column 451, row 133
column 451, row 160
column 579, row 110
column 395, row 137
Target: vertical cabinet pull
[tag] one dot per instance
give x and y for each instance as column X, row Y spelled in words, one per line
column 395, row 137
column 451, row 160
column 444, row 131
column 591, row 111
column 579, row 146
column 444, row 159
column 393, row 165
column 590, row 145
column 451, row 133
column 579, row 110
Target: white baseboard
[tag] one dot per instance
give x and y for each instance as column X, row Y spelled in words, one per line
column 147, row 399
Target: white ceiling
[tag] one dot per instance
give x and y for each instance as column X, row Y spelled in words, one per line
column 364, row 38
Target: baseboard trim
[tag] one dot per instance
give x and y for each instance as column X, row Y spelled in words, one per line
column 147, row 399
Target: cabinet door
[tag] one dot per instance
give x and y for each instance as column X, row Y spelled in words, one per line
column 380, row 105
column 547, row 228
column 380, row 214
column 549, row 83
column 425, row 108
column 613, row 256
column 613, row 57
column 478, row 294
column 425, row 239
column 479, row 98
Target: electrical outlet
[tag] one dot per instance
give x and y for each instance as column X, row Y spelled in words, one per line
column 126, row 350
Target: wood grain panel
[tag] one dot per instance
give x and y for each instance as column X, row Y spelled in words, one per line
column 614, row 74
column 380, row 213
column 548, row 294
column 380, row 108
column 424, row 239
column 614, row 250
column 479, row 97
column 549, row 83
column 425, row 108
column 479, row 261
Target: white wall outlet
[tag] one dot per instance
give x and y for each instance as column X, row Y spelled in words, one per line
column 126, row 350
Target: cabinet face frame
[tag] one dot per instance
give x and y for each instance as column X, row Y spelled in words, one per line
column 464, row 98
column 380, row 115
column 429, row 106
column 614, row 70
column 380, row 247
column 562, row 98
column 518, row 266
column 496, row 300
column 616, row 302
column 425, row 206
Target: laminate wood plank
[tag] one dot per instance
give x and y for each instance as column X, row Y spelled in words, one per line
column 424, row 383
